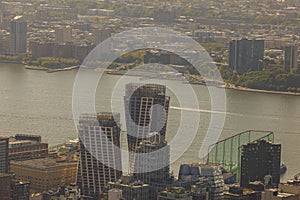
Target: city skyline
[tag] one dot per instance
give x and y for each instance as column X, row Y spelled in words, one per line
column 149, row 100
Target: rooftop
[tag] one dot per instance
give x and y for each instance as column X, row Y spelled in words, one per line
column 42, row 163
column 18, row 17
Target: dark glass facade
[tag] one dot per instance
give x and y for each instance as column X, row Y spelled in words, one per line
column 259, row 159
column 246, row 55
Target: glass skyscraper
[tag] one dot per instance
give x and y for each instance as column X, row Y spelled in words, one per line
column 18, row 35
column 100, row 154
column 246, row 55
column 146, row 110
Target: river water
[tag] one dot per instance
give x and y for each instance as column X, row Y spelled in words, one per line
column 36, row 102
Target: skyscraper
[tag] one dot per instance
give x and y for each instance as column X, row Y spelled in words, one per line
column 290, row 58
column 152, row 161
column 18, row 35
column 246, row 55
column 4, row 42
column 4, row 155
column 259, row 159
column 146, row 111
column 100, row 35
column 63, row 34
column 100, row 154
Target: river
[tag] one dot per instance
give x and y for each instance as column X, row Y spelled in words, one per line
column 36, row 102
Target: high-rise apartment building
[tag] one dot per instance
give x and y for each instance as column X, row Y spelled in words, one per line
column 100, row 154
column 18, row 35
column 4, row 155
column 100, row 35
column 152, row 161
column 146, row 112
column 259, row 159
column 63, row 34
column 246, row 55
column 5, row 18
column 4, row 42
column 290, row 58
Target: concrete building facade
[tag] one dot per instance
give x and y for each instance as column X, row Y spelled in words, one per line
column 25, row 147
column 44, row 173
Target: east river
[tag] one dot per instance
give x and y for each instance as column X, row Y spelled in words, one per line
column 37, row 102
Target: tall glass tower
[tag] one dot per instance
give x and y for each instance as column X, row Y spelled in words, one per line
column 146, row 111
column 246, row 55
column 18, row 35
column 100, row 154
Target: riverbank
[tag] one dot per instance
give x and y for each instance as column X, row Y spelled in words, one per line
column 260, row 91
column 10, row 61
column 191, row 81
column 50, row 70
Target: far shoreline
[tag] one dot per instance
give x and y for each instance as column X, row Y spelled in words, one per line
column 50, row 70
column 261, row 91
column 11, row 62
column 223, row 86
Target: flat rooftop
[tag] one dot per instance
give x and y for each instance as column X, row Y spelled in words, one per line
column 41, row 163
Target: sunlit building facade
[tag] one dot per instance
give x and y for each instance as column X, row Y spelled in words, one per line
column 100, row 154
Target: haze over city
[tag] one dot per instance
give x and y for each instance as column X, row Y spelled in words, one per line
column 149, row 100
